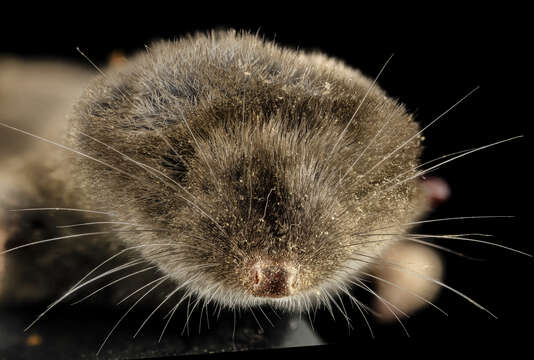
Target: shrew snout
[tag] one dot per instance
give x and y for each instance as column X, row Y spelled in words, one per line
column 273, row 280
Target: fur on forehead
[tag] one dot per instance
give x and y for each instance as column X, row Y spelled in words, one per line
column 223, row 78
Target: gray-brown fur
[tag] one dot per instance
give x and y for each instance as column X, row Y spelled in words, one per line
column 233, row 148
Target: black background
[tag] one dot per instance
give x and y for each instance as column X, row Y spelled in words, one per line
column 441, row 54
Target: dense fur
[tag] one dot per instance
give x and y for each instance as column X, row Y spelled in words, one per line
column 226, row 152
column 242, row 152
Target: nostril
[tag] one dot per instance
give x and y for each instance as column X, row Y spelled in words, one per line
column 273, row 280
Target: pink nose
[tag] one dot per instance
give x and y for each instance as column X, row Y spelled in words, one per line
column 272, row 280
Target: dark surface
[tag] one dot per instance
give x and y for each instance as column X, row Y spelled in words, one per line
column 77, row 333
column 438, row 59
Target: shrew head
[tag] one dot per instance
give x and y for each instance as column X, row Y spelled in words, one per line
column 258, row 165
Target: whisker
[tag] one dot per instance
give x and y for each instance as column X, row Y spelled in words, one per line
column 189, row 313
column 89, row 60
column 460, row 237
column 126, row 97
column 344, row 311
column 97, row 223
column 388, row 119
column 140, row 164
column 115, row 256
column 170, row 315
column 216, row 182
column 143, row 287
column 69, row 149
column 255, row 318
column 359, row 307
column 76, row 288
column 426, row 171
column 207, row 315
column 266, row 317
column 113, row 282
column 442, row 248
column 234, row 327
column 417, row 134
column 415, row 240
column 406, row 290
column 105, row 164
column 454, row 237
column 361, row 285
column 127, row 312
column 437, row 220
column 360, row 104
column 427, row 163
column 274, row 312
column 386, row 303
column 53, row 239
column 156, row 309
column 435, row 281
column 326, row 302
column 200, row 317
column 73, row 236
column 184, row 284
column 63, row 209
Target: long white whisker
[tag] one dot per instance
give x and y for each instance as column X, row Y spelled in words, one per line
column 415, row 240
column 426, row 171
column 454, row 237
column 68, row 149
column 427, row 163
column 162, row 174
column 126, row 313
column 423, row 276
column 90, row 61
column 170, row 315
column 414, row 237
column 184, row 284
column 115, row 256
column 143, row 287
column 255, row 318
column 112, row 283
column 97, row 223
column 63, row 209
column 361, row 285
column 53, row 239
column 156, row 309
column 74, row 289
column 386, row 303
column 265, row 315
column 406, row 290
column 437, row 220
column 365, row 319
column 360, row 104
column 390, row 116
column 417, row 134
column 189, row 313
column 72, row 236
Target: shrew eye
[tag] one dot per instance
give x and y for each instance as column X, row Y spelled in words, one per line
column 175, row 164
